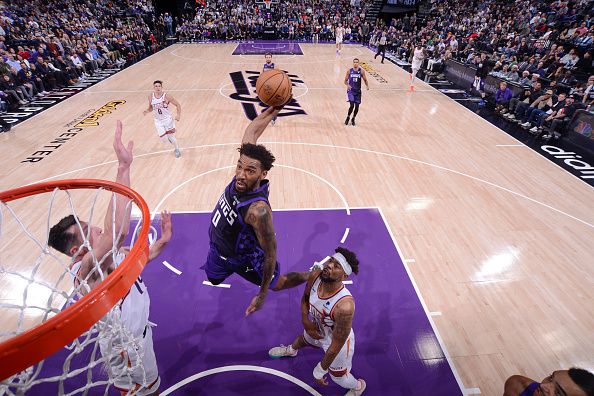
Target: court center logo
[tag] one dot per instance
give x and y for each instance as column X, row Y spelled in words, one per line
column 244, row 84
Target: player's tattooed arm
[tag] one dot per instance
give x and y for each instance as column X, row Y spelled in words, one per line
column 346, row 80
column 309, row 326
column 259, row 216
column 343, row 321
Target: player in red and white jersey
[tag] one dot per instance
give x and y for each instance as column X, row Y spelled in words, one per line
column 327, row 310
column 159, row 103
column 129, row 351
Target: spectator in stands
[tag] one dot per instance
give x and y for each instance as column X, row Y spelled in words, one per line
column 525, row 80
column 560, row 120
column 537, row 119
column 513, row 74
column 585, row 65
column 588, row 93
column 539, row 107
column 518, row 105
column 502, row 97
column 566, row 79
column 9, row 86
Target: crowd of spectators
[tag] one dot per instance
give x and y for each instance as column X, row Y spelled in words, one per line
column 302, row 20
column 46, row 46
column 543, row 46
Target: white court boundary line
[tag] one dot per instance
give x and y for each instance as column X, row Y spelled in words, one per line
column 223, row 285
column 336, row 190
column 345, row 148
column 425, row 309
column 225, row 369
column 172, row 268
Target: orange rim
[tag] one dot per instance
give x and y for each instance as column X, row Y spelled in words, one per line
column 34, row 345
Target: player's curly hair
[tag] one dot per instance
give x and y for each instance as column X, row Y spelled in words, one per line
column 258, row 152
column 59, row 237
column 350, row 257
column 584, row 379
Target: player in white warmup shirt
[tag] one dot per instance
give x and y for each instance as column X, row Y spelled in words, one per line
column 132, row 363
column 159, row 103
column 327, row 310
column 339, row 34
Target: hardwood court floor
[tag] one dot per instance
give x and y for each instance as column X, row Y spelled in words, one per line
column 499, row 239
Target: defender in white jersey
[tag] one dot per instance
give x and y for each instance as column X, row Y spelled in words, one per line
column 133, row 368
column 419, row 56
column 327, row 310
column 339, row 35
column 159, row 103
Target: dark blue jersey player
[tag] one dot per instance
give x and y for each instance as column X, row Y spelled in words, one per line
column 269, row 65
column 242, row 238
column 352, row 80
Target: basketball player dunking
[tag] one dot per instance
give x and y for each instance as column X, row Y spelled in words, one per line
column 242, row 238
column 327, row 310
column 68, row 237
column 339, row 34
column 269, row 65
column 352, row 80
column 159, row 104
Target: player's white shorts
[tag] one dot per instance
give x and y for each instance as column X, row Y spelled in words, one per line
column 165, row 127
column 344, row 359
column 338, row 39
column 416, row 64
column 135, row 370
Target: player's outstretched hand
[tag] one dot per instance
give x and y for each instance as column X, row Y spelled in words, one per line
column 166, row 226
column 256, row 304
column 124, row 154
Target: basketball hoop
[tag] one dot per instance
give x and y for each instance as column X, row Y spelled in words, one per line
column 267, row 4
column 29, row 347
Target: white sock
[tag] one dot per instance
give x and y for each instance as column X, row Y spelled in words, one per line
column 173, row 141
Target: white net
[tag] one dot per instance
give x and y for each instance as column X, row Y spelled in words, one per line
column 37, row 283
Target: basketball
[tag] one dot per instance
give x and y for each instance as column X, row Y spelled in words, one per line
column 274, row 87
